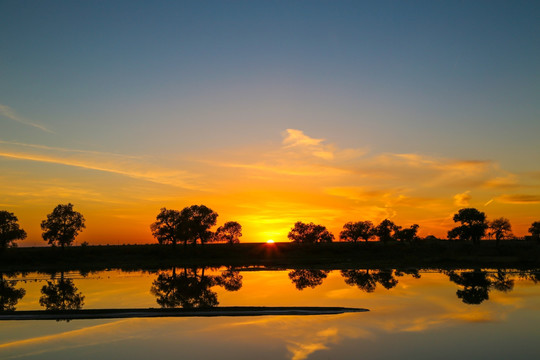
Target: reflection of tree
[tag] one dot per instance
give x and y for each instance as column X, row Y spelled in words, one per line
column 367, row 280
column 231, row 280
column 9, row 296
column 307, row 278
column 61, row 295
column 189, row 289
column 475, row 284
column 501, row 281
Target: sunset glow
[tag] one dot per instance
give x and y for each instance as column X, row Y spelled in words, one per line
column 268, row 116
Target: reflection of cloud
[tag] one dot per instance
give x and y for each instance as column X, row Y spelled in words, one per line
column 462, row 199
column 8, row 112
column 92, row 335
column 519, row 199
column 302, row 351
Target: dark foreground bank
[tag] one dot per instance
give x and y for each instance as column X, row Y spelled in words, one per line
column 517, row 254
column 199, row 312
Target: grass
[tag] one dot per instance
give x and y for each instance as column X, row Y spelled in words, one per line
column 518, row 254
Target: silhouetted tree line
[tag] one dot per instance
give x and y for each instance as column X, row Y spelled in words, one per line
column 193, row 224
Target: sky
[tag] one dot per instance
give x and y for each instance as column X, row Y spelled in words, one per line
column 269, row 112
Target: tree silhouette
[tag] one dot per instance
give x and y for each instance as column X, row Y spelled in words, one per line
column 188, row 289
column 9, row 230
column 407, row 235
column 61, row 295
column 367, row 281
column 307, row 278
column 385, row 230
column 230, row 233
column 9, row 295
column 189, row 225
column 62, row 225
column 475, row 284
column 309, row 233
column 361, row 230
column 501, row 228
column 535, row 230
column 167, row 229
column 501, row 281
column 231, row 280
column 473, row 225
column 197, row 221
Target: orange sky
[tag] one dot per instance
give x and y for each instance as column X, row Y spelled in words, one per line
column 265, row 187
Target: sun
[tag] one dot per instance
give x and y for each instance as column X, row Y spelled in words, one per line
column 270, row 241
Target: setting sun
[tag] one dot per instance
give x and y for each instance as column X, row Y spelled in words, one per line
column 270, row 241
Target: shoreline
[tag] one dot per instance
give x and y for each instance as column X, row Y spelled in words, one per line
column 442, row 254
column 232, row 311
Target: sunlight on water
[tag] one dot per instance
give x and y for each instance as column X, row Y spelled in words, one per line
column 422, row 315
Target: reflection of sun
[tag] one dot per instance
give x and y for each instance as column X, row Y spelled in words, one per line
column 270, row 241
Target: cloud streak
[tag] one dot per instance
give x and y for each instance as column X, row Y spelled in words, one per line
column 9, row 113
column 130, row 166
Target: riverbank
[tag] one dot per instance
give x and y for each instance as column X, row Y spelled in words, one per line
column 517, row 254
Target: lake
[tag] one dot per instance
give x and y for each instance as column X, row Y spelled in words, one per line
column 427, row 314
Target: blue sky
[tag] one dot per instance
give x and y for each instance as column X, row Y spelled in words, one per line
column 182, row 82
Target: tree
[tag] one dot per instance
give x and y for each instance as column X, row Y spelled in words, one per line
column 189, row 225
column 385, row 230
column 61, row 295
column 196, row 222
column 62, row 225
column 473, row 225
column 535, row 230
column 361, row 230
column 407, row 234
column 501, row 228
column 309, row 233
column 166, row 229
column 230, row 233
column 9, row 230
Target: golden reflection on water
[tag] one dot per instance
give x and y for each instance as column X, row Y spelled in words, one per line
column 414, row 310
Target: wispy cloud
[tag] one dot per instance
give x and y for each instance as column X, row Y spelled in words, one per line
column 9, row 113
column 131, row 166
column 462, row 199
column 519, row 199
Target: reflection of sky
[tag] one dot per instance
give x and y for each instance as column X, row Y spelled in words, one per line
column 416, row 319
column 269, row 112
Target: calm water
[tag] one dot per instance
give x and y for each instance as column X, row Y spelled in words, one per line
column 427, row 315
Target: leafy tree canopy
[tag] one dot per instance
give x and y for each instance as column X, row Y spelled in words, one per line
column 407, row 234
column 473, row 225
column 535, row 229
column 309, row 233
column 230, row 233
column 166, row 227
column 361, row 230
column 9, row 230
column 62, row 225
column 501, row 228
column 385, row 230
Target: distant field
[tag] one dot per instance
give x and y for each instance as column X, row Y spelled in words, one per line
column 439, row 254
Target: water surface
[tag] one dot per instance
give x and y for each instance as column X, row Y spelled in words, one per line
column 422, row 315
